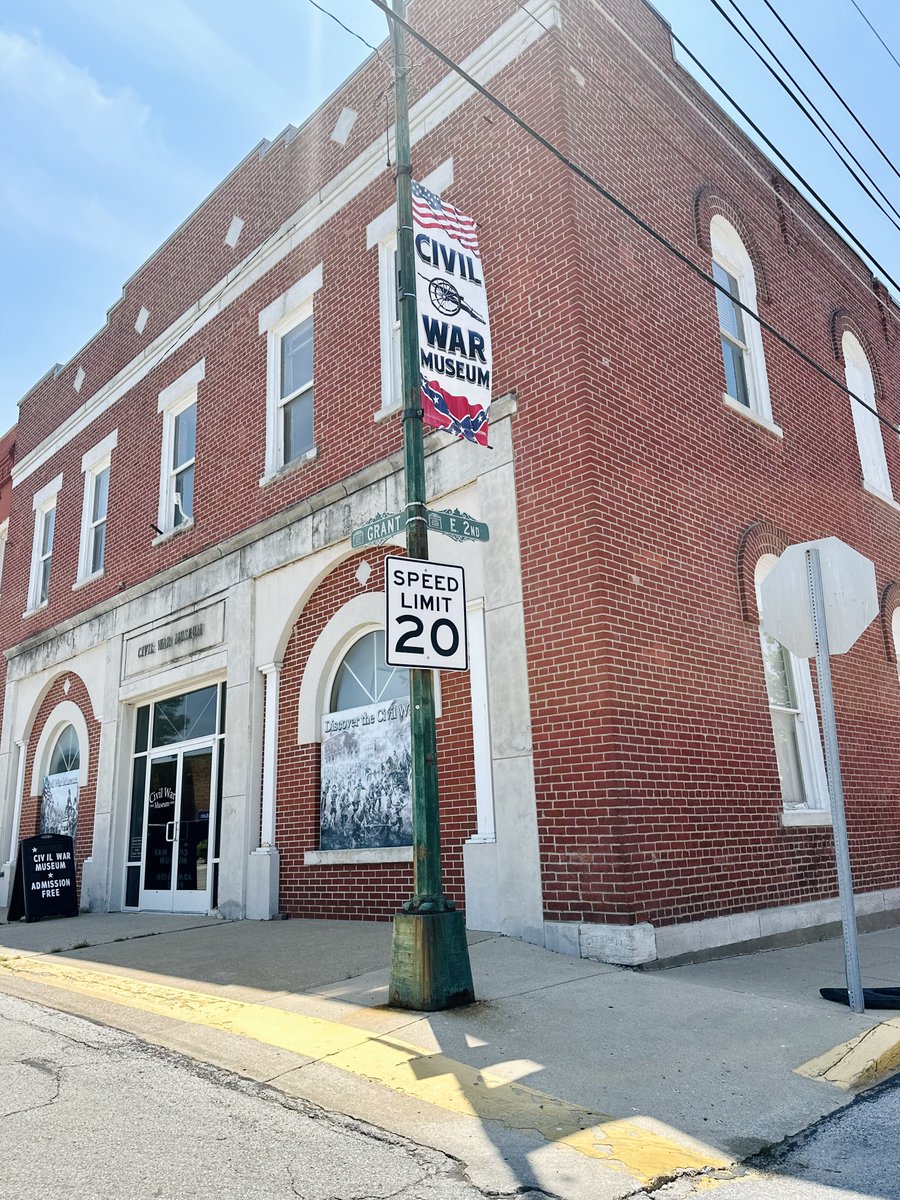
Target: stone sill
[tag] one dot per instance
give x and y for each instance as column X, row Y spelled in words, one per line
column 377, row 854
column 749, row 415
column 804, row 818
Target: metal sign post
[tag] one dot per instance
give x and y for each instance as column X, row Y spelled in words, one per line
column 842, row 602
column 430, row 956
column 835, row 787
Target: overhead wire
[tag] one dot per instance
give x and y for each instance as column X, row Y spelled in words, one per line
column 875, row 31
column 809, row 58
column 624, row 209
column 591, row 72
column 848, row 232
column 893, row 219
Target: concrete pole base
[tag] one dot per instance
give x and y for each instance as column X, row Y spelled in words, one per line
column 430, row 968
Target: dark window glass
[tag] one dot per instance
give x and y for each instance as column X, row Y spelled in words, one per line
column 185, row 436
column 364, row 677
column 136, row 827
column 141, row 728
column 184, row 495
column 66, row 755
column 221, row 713
column 182, row 718
column 297, row 358
column 132, row 887
column 297, row 418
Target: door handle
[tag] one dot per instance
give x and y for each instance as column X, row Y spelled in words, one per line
column 170, row 836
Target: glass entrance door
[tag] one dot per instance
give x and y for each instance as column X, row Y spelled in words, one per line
column 175, row 873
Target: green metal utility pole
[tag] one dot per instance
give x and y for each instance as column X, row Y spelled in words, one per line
column 430, row 958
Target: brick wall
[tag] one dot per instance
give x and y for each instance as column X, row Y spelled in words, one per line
column 30, row 823
column 371, row 891
column 657, row 786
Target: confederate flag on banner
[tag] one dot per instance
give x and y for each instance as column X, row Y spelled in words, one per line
column 454, row 334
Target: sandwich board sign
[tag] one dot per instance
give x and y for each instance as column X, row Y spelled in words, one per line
column 44, row 880
column 425, row 619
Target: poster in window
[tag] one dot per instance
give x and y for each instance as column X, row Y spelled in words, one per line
column 366, row 765
column 59, row 803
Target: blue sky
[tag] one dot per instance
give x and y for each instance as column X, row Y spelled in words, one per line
column 119, row 117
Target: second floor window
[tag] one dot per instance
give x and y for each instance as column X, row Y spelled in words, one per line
column 746, row 384
column 42, row 548
column 181, row 471
column 288, row 325
column 92, row 550
column 178, row 405
column 295, row 402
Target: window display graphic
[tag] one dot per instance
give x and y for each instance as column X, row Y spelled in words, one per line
column 366, row 762
column 59, row 803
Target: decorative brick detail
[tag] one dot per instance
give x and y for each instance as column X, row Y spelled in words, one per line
column 785, row 202
column 371, row 892
column 888, row 604
column 709, row 202
column 30, row 823
column 842, row 321
column 762, row 537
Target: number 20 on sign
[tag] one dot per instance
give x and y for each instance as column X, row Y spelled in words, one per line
column 425, row 621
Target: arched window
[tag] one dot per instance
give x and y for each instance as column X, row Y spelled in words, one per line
column 59, row 796
column 795, row 722
column 866, row 425
column 66, row 755
column 364, row 678
column 746, row 383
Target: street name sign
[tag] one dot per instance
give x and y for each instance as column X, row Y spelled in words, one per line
column 457, row 525
column 850, row 596
column 425, row 617
column 379, row 529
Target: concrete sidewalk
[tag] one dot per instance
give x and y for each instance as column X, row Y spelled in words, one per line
column 581, row 1078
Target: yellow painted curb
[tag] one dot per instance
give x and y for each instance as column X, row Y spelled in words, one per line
column 860, row 1062
column 644, row 1152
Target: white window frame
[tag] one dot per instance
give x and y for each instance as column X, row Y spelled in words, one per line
column 43, row 503
column 382, row 233
column 174, row 400
column 93, row 464
column 866, row 426
column 817, row 807
column 731, row 255
column 291, row 309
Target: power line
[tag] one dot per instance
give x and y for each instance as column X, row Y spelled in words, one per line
column 875, row 31
column 774, row 149
column 623, row 208
column 809, row 58
column 766, row 180
column 812, row 105
column 346, row 28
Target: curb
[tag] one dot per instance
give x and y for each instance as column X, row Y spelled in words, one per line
column 864, row 1060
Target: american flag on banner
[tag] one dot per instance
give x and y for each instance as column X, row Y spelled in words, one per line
column 454, row 330
column 431, row 212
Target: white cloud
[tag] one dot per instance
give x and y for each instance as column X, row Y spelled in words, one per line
column 83, row 162
column 172, row 31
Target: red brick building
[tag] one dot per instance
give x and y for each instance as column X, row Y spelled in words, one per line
column 629, row 771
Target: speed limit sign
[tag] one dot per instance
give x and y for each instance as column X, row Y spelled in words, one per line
column 425, row 623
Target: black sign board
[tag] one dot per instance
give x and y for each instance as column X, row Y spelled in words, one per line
column 44, row 882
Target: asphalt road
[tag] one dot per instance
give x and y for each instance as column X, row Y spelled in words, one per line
column 854, row 1154
column 87, row 1111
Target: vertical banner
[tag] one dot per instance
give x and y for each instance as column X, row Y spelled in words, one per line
column 454, row 334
